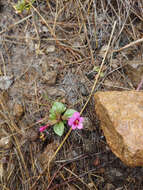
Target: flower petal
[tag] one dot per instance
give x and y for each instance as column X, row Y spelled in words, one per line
column 74, row 127
column 42, row 128
column 76, row 115
column 70, row 121
column 80, row 126
column 81, row 119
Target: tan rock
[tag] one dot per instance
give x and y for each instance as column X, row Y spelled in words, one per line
column 121, row 116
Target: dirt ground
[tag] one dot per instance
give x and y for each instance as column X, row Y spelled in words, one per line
column 54, row 51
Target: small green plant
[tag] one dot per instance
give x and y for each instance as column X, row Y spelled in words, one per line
column 22, row 5
column 59, row 117
column 96, row 68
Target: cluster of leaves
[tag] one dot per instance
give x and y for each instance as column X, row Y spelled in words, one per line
column 59, row 116
column 22, row 5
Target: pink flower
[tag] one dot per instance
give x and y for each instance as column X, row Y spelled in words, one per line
column 42, row 128
column 76, row 121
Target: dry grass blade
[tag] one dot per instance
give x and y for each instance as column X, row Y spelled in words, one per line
column 13, row 128
column 136, row 42
column 100, row 69
column 77, row 177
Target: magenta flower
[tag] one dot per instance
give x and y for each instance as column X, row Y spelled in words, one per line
column 76, row 121
column 42, row 128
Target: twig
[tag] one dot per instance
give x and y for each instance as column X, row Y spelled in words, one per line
column 83, row 156
column 129, row 45
column 100, row 69
column 81, row 175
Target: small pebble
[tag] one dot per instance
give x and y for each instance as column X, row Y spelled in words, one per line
column 5, row 143
column 50, row 77
column 54, row 92
column 5, row 82
column 18, row 110
column 50, row 49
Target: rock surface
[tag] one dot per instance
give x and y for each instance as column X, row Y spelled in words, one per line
column 134, row 70
column 121, row 116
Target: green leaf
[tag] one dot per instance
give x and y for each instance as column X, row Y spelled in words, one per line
column 96, row 68
column 58, row 107
column 22, row 4
column 59, row 128
column 68, row 114
column 52, row 116
column 53, row 119
column 64, row 121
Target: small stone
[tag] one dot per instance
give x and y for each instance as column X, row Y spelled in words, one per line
column 44, row 29
column 50, row 77
column 91, row 185
column 5, row 142
column 121, row 116
column 50, row 49
column 54, row 92
column 5, row 82
column 18, row 110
